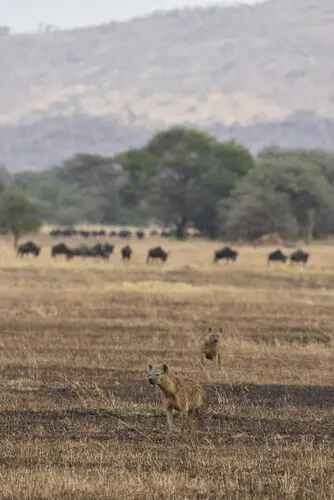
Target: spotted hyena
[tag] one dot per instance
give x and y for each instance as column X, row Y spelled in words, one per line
column 211, row 347
column 179, row 393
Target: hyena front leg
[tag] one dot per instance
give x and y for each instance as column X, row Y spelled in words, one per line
column 169, row 413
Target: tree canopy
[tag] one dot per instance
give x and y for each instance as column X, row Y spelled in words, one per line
column 185, row 178
column 17, row 214
column 183, row 173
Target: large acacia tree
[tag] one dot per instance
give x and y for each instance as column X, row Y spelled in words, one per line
column 183, row 173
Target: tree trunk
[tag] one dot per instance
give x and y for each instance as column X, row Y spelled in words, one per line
column 182, row 228
column 310, row 227
column 16, row 237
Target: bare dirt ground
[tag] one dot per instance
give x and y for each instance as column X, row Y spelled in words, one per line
column 78, row 418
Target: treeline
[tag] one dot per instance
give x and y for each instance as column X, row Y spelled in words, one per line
column 184, row 178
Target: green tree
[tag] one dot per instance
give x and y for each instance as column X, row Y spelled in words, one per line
column 183, row 173
column 286, row 190
column 249, row 215
column 85, row 188
column 17, row 214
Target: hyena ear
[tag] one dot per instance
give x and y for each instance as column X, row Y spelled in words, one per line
column 165, row 368
column 209, row 329
column 220, row 330
column 150, row 367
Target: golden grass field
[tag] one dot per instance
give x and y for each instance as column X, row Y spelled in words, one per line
column 78, row 419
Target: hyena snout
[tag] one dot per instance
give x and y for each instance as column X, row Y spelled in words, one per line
column 151, row 380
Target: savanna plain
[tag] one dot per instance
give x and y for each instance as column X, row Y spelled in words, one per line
column 78, row 418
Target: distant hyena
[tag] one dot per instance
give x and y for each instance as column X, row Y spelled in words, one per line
column 211, row 348
column 178, row 393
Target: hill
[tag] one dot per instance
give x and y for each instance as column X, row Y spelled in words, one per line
column 243, row 70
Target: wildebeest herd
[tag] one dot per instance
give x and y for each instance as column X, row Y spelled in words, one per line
column 124, row 233
column 298, row 256
column 104, row 251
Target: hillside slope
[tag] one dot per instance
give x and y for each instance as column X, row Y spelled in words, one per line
column 203, row 66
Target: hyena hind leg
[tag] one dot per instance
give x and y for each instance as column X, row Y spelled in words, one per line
column 200, row 417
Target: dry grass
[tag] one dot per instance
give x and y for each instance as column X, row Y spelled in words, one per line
column 78, row 418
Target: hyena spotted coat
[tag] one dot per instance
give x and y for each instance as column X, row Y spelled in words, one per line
column 179, row 393
column 211, row 347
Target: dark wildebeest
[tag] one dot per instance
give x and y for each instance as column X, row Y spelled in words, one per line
column 108, row 248
column 27, row 248
column 96, row 251
column 140, row 235
column 82, row 251
column 61, row 249
column 96, row 233
column 126, row 253
column 125, row 233
column 69, row 231
column 299, row 256
column 54, row 233
column 157, row 253
column 276, row 256
column 85, row 234
column 226, row 253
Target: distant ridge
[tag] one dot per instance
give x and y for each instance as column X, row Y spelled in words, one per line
column 262, row 73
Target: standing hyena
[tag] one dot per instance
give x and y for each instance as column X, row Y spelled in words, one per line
column 178, row 393
column 211, row 346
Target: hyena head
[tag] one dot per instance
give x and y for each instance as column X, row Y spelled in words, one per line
column 156, row 374
column 214, row 336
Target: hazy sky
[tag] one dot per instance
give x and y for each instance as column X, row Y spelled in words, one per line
column 25, row 15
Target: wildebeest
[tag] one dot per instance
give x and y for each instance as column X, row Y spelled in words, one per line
column 108, row 248
column 61, row 249
column 27, row 248
column 140, row 235
column 277, row 256
column 226, row 253
column 126, row 253
column 125, row 233
column 157, row 253
column 96, row 233
column 299, row 256
column 99, row 251
column 95, row 251
column 85, row 234
column 55, row 232
column 68, row 231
